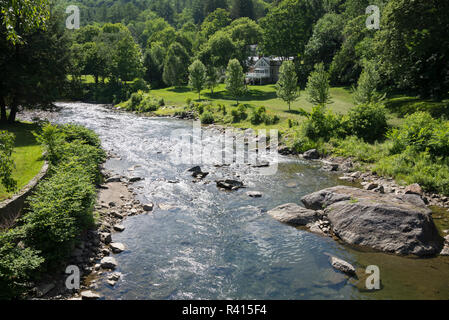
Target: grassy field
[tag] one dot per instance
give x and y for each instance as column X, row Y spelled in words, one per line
column 265, row 95
column 27, row 155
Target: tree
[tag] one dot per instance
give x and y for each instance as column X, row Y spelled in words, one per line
column 242, row 8
column 366, row 91
column 212, row 77
column 287, row 86
column 287, row 28
column 154, row 65
column 318, row 86
column 6, row 162
column 127, row 59
column 197, row 76
column 175, row 65
column 36, row 68
column 218, row 50
column 235, row 79
column 413, row 45
column 325, row 42
column 23, row 16
column 215, row 21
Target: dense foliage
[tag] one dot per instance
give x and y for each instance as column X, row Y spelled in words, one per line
column 58, row 211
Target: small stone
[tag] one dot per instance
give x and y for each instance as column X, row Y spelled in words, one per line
column 115, row 276
column 311, row 154
column 111, row 282
column 254, row 194
column 89, row 295
column 414, row 189
column 371, row 186
column 117, row 215
column 119, row 228
column 342, row 266
column 148, row 207
column 108, row 263
column 112, row 204
column 105, row 237
column 117, row 247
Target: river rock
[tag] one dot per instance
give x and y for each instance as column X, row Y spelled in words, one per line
column 117, row 247
column 414, row 189
column 148, row 207
column 105, row 237
column 108, row 263
column 119, row 228
column 311, row 154
column 293, row 214
column 229, row 184
column 342, row 266
column 134, row 179
column 384, row 222
column 254, row 194
column 89, row 295
column 43, row 289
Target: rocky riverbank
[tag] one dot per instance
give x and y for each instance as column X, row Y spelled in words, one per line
column 94, row 254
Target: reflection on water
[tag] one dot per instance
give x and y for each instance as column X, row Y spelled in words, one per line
column 209, row 244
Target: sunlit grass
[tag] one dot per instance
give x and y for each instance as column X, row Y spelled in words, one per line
column 27, row 155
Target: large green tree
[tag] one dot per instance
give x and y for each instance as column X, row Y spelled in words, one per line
column 175, row 65
column 413, row 45
column 288, row 26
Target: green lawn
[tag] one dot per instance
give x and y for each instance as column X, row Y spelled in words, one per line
column 265, row 95
column 257, row 95
column 27, row 155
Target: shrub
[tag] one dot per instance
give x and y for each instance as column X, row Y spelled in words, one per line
column 74, row 132
column 51, row 137
column 368, row 121
column 207, row 118
column 136, row 99
column 17, row 263
column 59, row 210
column 322, row 124
column 258, row 115
column 421, row 132
column 6, row 162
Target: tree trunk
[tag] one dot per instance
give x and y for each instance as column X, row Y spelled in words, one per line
column 3, row 117
column 12, row 114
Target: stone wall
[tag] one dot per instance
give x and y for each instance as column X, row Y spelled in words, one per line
column 11, row 209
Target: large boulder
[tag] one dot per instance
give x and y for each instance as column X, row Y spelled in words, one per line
column 390, row 223
column 293, row 214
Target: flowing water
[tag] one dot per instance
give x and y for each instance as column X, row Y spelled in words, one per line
column 203, row 243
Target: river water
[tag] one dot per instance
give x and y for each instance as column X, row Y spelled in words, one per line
column 203, row 243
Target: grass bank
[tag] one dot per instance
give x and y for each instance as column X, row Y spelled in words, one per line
column 27, row 155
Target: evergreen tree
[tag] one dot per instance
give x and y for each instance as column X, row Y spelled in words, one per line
column 366, row 91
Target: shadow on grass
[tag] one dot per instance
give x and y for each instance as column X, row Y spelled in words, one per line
column 23, row 133
column 180, row 89
column 251, row 95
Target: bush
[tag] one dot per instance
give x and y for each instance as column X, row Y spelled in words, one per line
column 322, row 124
column 59, row 210
column 367, row 121
column 17, row 263
column 6, row 162
column 74, row 132
column 258, row 115
column 207, row 118
column 421, row 132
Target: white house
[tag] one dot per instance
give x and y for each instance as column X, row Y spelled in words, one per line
column 265, row 70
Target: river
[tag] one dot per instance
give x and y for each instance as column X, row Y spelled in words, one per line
column 208, row 244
